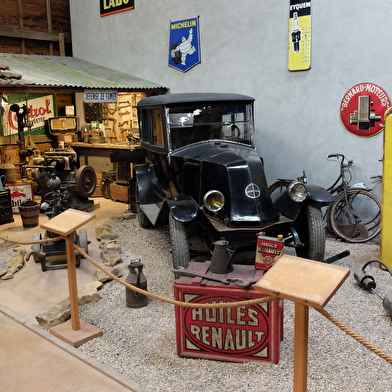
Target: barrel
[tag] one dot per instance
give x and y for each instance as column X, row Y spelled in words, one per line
column 30, row 215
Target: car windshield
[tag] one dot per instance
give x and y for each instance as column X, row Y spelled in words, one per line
column 197, row 122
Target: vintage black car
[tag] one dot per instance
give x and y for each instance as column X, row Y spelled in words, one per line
column 199, row 171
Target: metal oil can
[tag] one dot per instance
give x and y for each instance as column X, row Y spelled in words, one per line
column 268, row 251
column 136, row 278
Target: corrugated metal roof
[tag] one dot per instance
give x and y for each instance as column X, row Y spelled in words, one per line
column 70, row 72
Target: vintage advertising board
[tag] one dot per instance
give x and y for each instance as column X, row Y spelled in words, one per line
column 184, row 45
column 238, row 334
column 19, row 194
column 40, row 109
column 299, row 35
column 109, row 7
column 363, row 108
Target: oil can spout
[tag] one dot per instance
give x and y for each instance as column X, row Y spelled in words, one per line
column 221, row 262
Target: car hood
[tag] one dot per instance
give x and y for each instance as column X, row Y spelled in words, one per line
column 236, row 170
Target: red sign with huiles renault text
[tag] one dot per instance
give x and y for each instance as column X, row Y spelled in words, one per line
column 237, row 334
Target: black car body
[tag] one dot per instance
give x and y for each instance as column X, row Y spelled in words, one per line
column 198, row 169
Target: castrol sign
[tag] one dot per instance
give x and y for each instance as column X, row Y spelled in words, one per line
column 362, row 109
column 39, row 111
column 236, row 334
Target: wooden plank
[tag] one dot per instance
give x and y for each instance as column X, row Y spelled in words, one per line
column 35, row 35
column 304, row 281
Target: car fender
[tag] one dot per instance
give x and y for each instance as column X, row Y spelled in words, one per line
column 319, row 194
column 146, row 191
column 290, row 209
column 183, row 208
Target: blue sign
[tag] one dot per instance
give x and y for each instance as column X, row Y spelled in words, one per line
column 184, row 48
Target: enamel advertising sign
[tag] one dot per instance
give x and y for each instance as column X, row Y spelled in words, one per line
column 109, row 7
column 39, row 111
column 362, row 109
column 184, row 47
column 299, row 35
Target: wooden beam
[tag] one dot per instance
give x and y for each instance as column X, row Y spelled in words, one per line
column 36, row 35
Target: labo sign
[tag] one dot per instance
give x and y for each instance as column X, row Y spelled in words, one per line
column 109, row 7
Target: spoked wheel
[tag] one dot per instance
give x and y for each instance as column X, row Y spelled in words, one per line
column 310, row 228
column 85, row 181
column 179, row 243
column 358, row 219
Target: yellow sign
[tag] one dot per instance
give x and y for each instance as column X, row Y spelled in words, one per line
column 299, row 35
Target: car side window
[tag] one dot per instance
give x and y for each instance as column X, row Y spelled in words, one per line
column 158, row 137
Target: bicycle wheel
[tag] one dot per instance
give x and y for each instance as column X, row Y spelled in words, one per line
column 358, row 219
column 277, row 188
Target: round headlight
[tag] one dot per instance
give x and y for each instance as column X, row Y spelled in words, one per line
column 298, row 191
column 214, row 201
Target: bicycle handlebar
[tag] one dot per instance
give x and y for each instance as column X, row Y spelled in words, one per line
column 342, row 158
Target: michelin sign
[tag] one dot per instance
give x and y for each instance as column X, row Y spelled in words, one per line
column 184, row 47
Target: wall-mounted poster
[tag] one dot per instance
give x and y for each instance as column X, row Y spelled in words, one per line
column 363, row 108
column 184, row 46
column 109, row 7
column 39, row 108
column 299, row 35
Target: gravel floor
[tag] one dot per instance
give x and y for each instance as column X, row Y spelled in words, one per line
column 141, row 343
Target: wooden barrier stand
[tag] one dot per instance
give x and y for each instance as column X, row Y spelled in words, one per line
column 307, row 283
column 75, row 331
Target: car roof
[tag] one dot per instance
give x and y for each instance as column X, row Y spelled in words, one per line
column 169, row 99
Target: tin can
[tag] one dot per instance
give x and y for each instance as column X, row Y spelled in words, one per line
column 268, row 251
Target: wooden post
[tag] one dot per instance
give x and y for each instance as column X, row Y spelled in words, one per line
column 307, row 283
column 75, row 331
column 301, row 323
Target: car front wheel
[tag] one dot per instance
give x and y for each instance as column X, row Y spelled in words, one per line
column 310, row 228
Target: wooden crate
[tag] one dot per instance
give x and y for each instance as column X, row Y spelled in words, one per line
column 119, row 192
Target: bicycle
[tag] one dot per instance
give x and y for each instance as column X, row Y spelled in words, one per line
column 355, row 214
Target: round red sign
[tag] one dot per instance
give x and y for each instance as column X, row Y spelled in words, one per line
column 362, row 109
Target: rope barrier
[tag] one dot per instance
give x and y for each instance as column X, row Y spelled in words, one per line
column 339, row 324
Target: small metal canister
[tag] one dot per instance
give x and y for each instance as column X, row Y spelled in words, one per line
column 136, row 278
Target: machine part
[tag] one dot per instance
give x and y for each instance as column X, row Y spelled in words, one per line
column 387, row 303
column 85, row 181
column 241, row 282
column 337, row 257
column 182, row 271
column 367, row 282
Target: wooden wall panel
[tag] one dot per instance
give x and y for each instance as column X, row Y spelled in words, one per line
column 34, row 16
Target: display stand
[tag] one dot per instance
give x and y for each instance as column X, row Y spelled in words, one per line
column 75, row 332
column 307, row 283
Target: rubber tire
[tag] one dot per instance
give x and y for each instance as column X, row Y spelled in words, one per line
column 310, row 228
column 179, row 243
column 334, row 226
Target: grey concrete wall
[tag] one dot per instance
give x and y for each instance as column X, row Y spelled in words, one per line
column 244, row 50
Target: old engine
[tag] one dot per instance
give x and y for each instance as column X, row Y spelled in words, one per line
column 60, row 182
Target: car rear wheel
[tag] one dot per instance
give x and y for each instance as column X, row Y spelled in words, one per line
column 179, row 243
column 311, row 231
